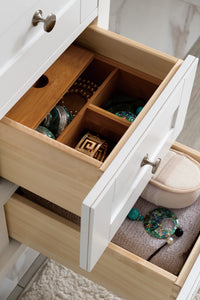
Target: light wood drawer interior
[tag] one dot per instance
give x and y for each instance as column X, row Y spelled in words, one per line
column 28, row 158
column 120, row 271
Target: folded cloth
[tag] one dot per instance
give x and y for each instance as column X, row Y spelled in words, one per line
column 176, row 183
column 133, row 237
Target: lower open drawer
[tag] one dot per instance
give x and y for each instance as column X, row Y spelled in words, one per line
column 122, row 272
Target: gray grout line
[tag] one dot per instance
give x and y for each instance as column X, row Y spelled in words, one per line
column 15, row 293
column 32, row 270
column 20, row 286
column 32, row 273
column 24, row 281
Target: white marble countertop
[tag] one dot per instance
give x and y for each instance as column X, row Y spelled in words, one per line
column 171, row 26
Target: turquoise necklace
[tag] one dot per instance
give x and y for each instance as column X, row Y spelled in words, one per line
column 153, row 223
column 154, row 227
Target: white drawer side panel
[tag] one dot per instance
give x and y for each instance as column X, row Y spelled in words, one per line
column 192, row 283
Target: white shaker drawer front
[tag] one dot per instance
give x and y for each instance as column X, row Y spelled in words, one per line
column 109, row 202
column 27, row 50
column 19, row 34
column 87, row 6
column 11, row 13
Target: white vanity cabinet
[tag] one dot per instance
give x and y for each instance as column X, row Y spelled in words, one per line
column 101, row 193
column 27, row 50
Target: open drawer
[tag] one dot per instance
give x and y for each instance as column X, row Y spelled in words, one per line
column 122, row 272
column 98, row 191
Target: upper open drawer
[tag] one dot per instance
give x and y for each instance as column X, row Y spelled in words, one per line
column 115, row 68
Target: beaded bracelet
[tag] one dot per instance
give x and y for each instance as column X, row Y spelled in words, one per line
column 79, row 93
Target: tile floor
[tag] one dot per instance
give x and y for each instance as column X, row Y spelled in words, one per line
column 23, row 282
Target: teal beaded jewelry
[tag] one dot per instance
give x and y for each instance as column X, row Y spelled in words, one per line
column 153, row 223
column 55, row 122
column 138, row 110
column 135, row 215
column 61, row 117
column 45, row 131
column 127, row 115
column 47, row 120
column 120, row 102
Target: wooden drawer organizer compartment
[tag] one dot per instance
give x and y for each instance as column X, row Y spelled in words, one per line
column 52, row 87
column 122, row 272
column 28, row 158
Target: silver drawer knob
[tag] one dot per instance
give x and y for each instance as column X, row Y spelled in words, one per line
column 49, row 22
column 154, row 165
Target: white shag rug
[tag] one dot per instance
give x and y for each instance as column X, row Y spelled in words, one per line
column 56, row 282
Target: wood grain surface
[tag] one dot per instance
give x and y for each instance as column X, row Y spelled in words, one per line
column 50, row 169
column 126, row 51
column 37, row 102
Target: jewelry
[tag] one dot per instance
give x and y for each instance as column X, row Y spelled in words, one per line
column 61, row 117
column 79, row 93
column 138, row 110
column 93, row 146
column 169, row 241
column 127, row 115
column 153, row 223
column 84, row 87
column 178, row 232
column 45, row 131
column 47, row 120
column 134, row 214
column 57, row 120
column 121, row 102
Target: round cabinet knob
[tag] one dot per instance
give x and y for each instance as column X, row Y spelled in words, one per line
column 154, row 165
column 49, row 22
